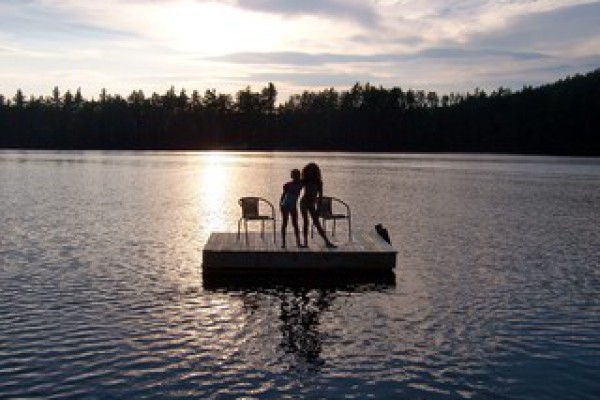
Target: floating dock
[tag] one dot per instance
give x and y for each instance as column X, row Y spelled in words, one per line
column 367, row 251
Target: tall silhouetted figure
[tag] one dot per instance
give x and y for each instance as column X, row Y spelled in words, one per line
column 313, row 191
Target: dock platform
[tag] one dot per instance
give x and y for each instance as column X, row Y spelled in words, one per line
column 367, row 251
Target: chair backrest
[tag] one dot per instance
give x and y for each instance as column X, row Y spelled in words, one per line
column 249, row 207
column 325, row 207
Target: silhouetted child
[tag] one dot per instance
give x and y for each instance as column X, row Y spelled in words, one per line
column 287, row 203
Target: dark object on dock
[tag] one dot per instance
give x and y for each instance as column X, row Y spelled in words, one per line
column 381, row 231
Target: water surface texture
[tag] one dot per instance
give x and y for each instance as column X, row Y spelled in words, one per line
column 102, row 295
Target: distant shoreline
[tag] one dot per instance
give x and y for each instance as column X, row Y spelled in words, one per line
column 555, row 119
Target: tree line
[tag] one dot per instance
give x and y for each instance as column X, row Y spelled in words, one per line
column 558, row 118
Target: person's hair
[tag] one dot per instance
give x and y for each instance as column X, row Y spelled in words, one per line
column 311, row 173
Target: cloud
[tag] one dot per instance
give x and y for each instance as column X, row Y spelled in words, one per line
column 319, row 59
column 478, row 53
column 45, row 22
column 357, row 11
column 375, row 39
column 545, row 30
column 7, row 49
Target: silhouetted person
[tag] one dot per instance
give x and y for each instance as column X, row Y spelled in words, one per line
column 313, row 191
column 288, row 205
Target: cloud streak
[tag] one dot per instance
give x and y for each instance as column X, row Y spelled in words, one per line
column 548, row 29
column 357, row 11
column 39, row 22
column 319, row 59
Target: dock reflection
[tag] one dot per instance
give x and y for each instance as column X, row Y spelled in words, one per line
column 300, row 301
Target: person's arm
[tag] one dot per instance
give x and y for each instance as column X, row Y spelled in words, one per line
column 282, row 196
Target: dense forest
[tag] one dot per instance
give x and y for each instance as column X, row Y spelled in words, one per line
column 558, row 118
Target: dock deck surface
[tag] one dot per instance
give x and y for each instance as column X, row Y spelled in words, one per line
column 367, row 250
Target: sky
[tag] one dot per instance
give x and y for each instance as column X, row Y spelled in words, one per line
column 227, row 45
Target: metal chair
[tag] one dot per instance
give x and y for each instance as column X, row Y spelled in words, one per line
column 251, row 212
column 325, row 208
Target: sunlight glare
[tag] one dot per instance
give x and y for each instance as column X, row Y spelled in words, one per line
column 212, row 29
column 213, row 185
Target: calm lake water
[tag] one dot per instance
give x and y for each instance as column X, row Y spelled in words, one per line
column 496, row 294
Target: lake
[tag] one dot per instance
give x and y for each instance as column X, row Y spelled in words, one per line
column 496, row 293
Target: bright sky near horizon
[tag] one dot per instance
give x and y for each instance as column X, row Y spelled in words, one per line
column 439, row 45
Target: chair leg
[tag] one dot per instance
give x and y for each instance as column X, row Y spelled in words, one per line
column 274, row 231
column 239, row 227
column 349, row 229
column 333, row 232
column 262, row 229
column 246, row 229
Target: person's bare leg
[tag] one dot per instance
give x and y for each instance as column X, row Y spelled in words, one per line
column 305, row 225
column 295, row 225
column 284, row 222
column 317, row 223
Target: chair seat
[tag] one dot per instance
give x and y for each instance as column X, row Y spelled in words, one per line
column 334, row 216
column 259, row 218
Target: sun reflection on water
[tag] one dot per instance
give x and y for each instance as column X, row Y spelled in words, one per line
column 215, row 180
